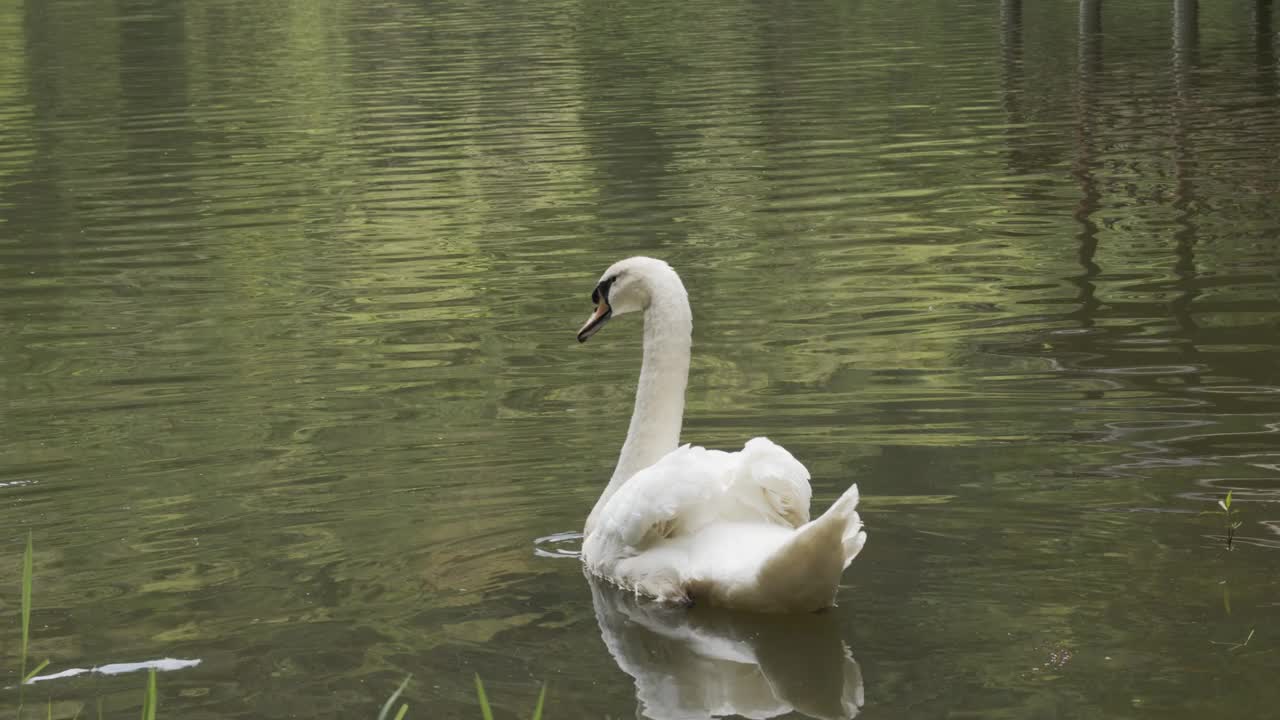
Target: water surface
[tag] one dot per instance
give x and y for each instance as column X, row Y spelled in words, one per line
column 287, row 301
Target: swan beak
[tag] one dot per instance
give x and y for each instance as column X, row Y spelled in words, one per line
column 596, row 321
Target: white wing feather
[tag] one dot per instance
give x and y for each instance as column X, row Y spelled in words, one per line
column 689, row 490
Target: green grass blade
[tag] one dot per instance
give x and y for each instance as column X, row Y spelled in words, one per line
column 485, row 712
column 48, row 711
column 537, row 710
column 403, row 709
column 386, row 706
column 149, row 699
column 35, row 672
column 78, row 711
column 27, row 567
column 99, row 708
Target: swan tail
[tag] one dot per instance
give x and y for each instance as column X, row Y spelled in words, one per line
column 804, row 573
column 853, row 537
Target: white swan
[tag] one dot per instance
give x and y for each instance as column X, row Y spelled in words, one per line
column 685, row 524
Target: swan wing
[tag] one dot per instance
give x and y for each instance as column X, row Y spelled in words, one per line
column 691, row 488
column 675, row 496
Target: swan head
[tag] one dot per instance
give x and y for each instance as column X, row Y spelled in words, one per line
column 627, row 286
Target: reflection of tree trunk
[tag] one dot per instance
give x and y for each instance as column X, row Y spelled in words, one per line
column 1186, row 27
column 154, row 119
column 1185, row 58
column 1264, row 51
column 1089, row 68
column 623, row 121
column 1011, row 47
column 1013, row 86
column 152, row 64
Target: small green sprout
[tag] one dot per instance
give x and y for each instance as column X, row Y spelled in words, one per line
column 1228, row 519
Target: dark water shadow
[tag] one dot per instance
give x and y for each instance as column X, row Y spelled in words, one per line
column 1264, row 49
column 704, row 663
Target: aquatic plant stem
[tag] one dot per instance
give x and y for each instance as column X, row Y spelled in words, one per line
column 149, row 698
column 537, row 710
column 386, row 707
column 485, row 711
column 27, row 567
column 27, row 563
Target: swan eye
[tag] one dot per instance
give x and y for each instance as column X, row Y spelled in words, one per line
column 602, row 290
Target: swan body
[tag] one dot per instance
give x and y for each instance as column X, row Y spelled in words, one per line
column 685, row 524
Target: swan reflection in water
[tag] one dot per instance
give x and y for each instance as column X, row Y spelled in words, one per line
column 707, row 663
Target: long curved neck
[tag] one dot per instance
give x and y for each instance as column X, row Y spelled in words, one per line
column 659, row 408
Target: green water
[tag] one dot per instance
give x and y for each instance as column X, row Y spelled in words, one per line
column 288, row 294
